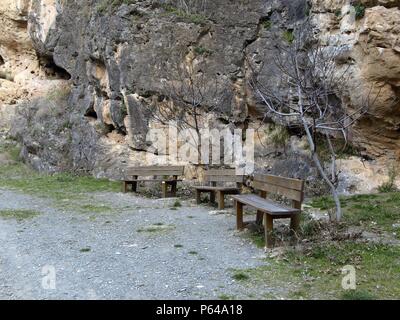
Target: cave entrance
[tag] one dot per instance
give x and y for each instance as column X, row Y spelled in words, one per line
column 52, row 70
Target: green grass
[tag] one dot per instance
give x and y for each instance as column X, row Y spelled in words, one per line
column 316, row 272
column 357, row 295
column 12, row 150
column 188, row 17
column 177, row 204
column 85, row 250
column 226, row 297
column 18, row 215
column 106, row 5
column 60, row 187
column 240, row 276
column 95, row 208
column 154, row 228
column 288, row 35
column 359, row 10
column 377, row 211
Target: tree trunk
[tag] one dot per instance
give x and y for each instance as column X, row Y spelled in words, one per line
column 321, row 170
column 331, row 186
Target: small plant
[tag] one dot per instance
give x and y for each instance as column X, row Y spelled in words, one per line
column 279, row 136
column 85, row 250
column 185, row 15
column 177, row 204
column 390, row 185
column 201, row 51
column 240, row 276
column 360, row 10
column 267, row 24
column 288, row 35
column 178, row 246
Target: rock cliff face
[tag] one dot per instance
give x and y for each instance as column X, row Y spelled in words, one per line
column 97, row 65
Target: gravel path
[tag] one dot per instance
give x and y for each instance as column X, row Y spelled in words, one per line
column 141, row 249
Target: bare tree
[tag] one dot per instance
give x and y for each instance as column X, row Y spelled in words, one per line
column 304, row 88
column 191, row 92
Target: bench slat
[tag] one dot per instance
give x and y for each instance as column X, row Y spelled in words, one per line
column 288, row 193
column 221, row 172
column 289, row 183
column 153, row 180
column 224, row 178
column 265, row 205
column 226, row 189
column 154, row 171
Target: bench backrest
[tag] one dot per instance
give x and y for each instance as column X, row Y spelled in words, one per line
column 292, row 189
column 155, row 171
column 223, row 175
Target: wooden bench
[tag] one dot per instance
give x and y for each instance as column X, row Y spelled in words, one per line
column 269, row 210
column 213, row 177
column 167, row 175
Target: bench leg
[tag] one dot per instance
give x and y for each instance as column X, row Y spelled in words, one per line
column 239, row 215
column 174, row 188
column 134, row 184
column 198, row 197
column 269, row 226
column 124, row 187
column 260, row 218
column 212, row 197
column 164, row 189
column 221, row 200
column 295, row 224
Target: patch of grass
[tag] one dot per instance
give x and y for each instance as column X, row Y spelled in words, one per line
column 85, row 250
column 177, row 204
column 18, row 215
column 59, row 187
column 288, row 35
column 184, row 15
column 369, row 210
column 360, row 10
column 390, row 185
column 316, row 272
column 95, row 208
column 240, row 276
column 178, row 246
column 106, row 5
column 257, row 238
column 200, row 50
column 357, row 295
column 267, row 24
column 58, row 93
column 278, row 135
column 194, row 253
column 154, row 228
column 225, row 297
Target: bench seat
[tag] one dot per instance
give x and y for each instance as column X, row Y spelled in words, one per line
column 154, row 180
column 213, row 189
column 265, row 205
